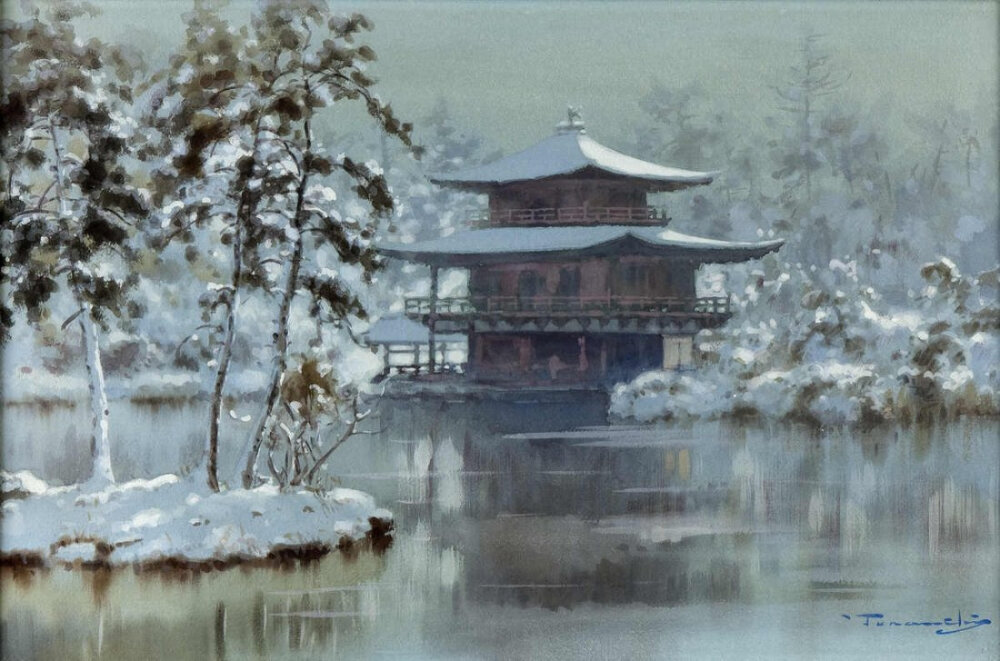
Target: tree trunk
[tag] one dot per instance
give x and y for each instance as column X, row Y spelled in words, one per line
column 261, row 429
column 215, row 420
column 100, row 442
column 246, row 209
column 225, row 356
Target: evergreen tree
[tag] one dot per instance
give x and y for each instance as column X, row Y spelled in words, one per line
column 799, row 155
column 238, row 109
column 69, row 209
column 683, row 129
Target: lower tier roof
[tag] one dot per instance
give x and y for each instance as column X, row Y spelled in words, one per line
column 499, row 245
column 397, row 329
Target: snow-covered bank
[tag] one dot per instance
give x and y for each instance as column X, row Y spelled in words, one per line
column 841, row 355
column 830, row 393
column 170, row 521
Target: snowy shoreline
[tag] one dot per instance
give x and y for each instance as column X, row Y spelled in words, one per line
column 173, row 522
column 821, row 395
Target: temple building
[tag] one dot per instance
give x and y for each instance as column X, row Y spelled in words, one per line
column 572, row 277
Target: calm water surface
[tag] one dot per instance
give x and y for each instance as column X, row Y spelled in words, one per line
column 709, row 541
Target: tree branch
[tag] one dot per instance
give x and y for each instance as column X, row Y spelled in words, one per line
column 348, row 433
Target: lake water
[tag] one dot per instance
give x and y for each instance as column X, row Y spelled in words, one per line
column 711, row 541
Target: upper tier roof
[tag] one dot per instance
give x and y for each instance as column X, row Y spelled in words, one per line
column 572, row 151
column 500, row 245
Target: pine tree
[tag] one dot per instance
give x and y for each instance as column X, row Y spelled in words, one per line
column 682, row 129
column 800, row 155
column 69, row 210
column 239, row 110
column 207, row 110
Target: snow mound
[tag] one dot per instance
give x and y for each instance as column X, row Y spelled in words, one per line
column 145, row 522
column 21, row 484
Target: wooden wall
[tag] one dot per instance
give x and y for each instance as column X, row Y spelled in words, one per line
column 562, row 357
column 623, row 276
column 556, row 194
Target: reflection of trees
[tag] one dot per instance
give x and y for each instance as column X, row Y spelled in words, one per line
column 957, row 516
column 554, row 522
column 849, row 488
column 557, row 562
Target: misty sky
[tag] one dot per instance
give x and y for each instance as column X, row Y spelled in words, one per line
column 509, row 69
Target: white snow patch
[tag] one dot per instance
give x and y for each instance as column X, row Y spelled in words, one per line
column 21, row 483
column 167, row 517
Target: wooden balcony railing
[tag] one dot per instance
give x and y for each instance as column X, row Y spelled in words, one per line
column 567, row 306
column 585, row 215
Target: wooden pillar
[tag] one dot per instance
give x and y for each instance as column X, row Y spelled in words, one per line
column 470, row 356
column 432, row 321
column 524, row 353
column 670, row 360
column 614, row 268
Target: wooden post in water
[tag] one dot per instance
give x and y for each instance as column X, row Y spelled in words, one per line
column 258, row 623
column 220, row 631
column 431, row 321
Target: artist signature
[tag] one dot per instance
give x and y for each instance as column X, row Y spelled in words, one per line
column 945, row 626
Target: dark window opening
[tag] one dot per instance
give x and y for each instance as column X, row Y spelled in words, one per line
column 569, row 282
column 529, row 285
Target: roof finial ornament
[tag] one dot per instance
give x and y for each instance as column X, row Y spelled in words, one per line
column 573, row 122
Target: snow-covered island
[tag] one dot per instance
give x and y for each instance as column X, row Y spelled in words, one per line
column 173, row 522
column 107, row 181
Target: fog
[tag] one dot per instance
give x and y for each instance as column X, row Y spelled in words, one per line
column 508, row 69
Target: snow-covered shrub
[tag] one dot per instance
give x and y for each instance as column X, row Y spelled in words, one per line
column 952, row 362
column 839, row 355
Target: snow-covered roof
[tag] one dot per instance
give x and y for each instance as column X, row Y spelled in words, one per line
column 397, row 329
column 500, row 244
column 568, row 152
